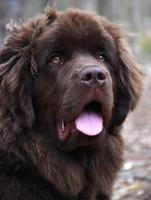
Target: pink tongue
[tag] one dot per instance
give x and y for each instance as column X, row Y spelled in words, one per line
column 89, row 124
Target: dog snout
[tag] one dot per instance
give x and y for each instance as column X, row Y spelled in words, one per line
column 93, row 75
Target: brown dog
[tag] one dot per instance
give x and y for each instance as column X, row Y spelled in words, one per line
column 67, row 85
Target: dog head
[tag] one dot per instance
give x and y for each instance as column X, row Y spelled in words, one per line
column 68, row 75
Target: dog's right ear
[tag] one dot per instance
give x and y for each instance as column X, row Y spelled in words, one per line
column 18, row 69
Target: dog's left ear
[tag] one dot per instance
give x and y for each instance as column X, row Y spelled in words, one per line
column 129, row 83
column 132, row 76
column 129, row 76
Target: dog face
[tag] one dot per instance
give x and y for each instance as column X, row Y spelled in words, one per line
column 81, row 79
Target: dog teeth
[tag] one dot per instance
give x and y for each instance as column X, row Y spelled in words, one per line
column 62, row 125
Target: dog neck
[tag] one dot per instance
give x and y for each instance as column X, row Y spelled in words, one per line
column 71, row 174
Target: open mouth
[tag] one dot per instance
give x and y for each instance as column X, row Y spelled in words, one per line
column 89, row 122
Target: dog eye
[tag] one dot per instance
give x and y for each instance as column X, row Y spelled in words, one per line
column 56, row 58
column 102, row 57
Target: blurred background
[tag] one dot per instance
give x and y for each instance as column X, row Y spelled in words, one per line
column 134, row 181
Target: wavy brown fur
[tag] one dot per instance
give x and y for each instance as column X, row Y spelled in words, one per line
column 34, row 163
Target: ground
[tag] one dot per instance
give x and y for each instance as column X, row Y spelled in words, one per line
column 134, row 181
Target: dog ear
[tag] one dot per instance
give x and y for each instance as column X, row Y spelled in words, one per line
column 18, row 70
column 129, row 83
column 129, row 76
column 134, row 79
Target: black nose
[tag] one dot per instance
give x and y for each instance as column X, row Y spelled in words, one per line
column 93, row 75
